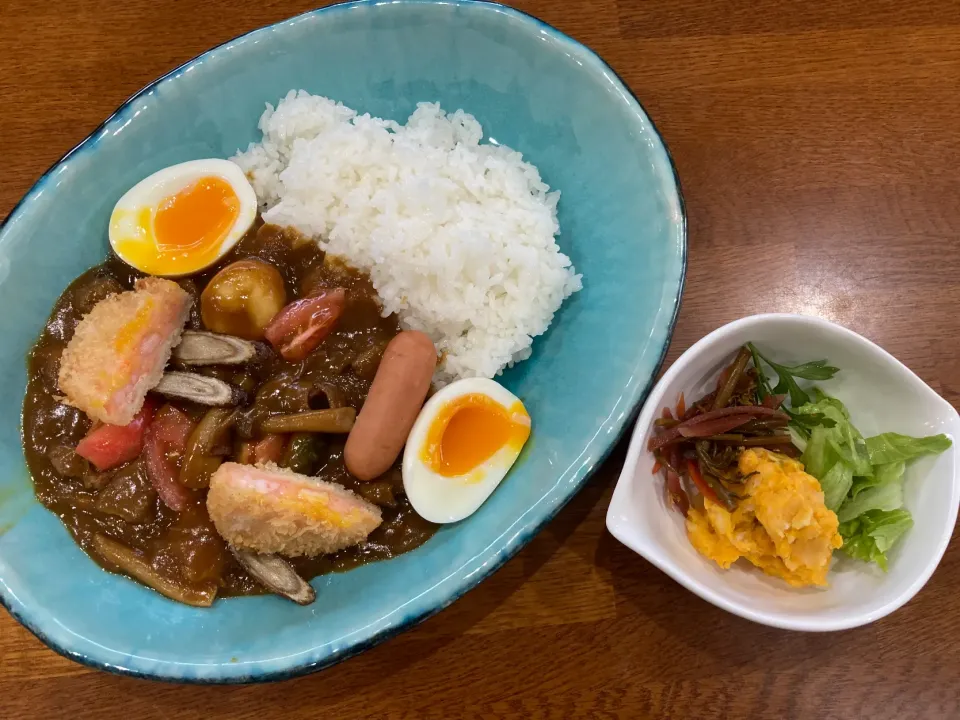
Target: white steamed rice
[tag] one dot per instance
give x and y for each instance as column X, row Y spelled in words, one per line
column 457, row 236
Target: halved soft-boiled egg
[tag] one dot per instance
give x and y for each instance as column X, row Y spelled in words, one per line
column 464, row 441
column 183, row 218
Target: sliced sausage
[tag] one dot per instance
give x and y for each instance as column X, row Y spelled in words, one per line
column 396, row 396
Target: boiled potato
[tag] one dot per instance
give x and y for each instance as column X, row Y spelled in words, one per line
column 242, row 299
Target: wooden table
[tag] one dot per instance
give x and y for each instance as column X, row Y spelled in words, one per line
column 819, row 148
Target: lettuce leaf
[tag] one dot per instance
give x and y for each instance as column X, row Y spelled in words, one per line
column 872, row 534
column 882, row 474
column 893, row 447
column 845, row 440
column 881, row 497
column 835, row 484
column 815, row 459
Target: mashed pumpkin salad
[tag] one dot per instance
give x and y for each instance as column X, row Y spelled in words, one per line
column 779, row 476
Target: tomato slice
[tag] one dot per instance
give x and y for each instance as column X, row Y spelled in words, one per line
column 173, row 427
column 108, row 446
column 167, row 434
column 302, row 325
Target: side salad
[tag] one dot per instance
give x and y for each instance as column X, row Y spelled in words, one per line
column 744, row 462
column 861, row 478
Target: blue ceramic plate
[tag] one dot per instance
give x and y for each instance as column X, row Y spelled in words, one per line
column 622, row 221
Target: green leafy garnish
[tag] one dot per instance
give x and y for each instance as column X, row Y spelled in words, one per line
column 893, row 447
column 869, row 536
column 787, row 385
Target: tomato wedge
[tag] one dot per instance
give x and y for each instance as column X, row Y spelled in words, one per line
column 163, row 436
column 303, row 324
column 107, row 446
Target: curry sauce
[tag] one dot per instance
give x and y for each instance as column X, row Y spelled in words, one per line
column 121, row 504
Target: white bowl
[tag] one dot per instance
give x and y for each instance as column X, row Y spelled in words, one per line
column 883, row 395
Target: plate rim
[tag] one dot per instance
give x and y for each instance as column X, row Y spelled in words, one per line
column 161, row 670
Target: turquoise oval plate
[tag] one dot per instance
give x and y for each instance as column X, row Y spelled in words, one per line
column 622, row 221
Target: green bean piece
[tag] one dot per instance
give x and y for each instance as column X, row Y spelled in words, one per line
column 338, row 420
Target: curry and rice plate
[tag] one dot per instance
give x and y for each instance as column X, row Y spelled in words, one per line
column 222, row 406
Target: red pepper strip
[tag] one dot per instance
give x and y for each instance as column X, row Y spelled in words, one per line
column 681, row 406
column 717, row 492
column 773, row 401
column 656, row 466
column 714, row 427
column 701, row 484
column 666, row 414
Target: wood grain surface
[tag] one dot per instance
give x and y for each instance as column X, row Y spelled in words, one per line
column 819, row 147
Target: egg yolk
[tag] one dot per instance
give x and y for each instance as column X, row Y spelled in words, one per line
column 470, row 430
column 186, row 230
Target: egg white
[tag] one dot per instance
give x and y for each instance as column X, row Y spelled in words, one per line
column 442, row 499
column 153, row 190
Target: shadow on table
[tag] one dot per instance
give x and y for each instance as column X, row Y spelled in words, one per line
column 656, row 604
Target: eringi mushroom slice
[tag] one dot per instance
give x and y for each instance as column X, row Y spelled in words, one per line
column 200, row 389
column 207, row 348
column 277, row 575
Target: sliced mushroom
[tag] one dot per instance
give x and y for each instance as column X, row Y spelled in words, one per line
column 206, row 348
column 136, row 566
column 200, row 389
column 277, row 575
